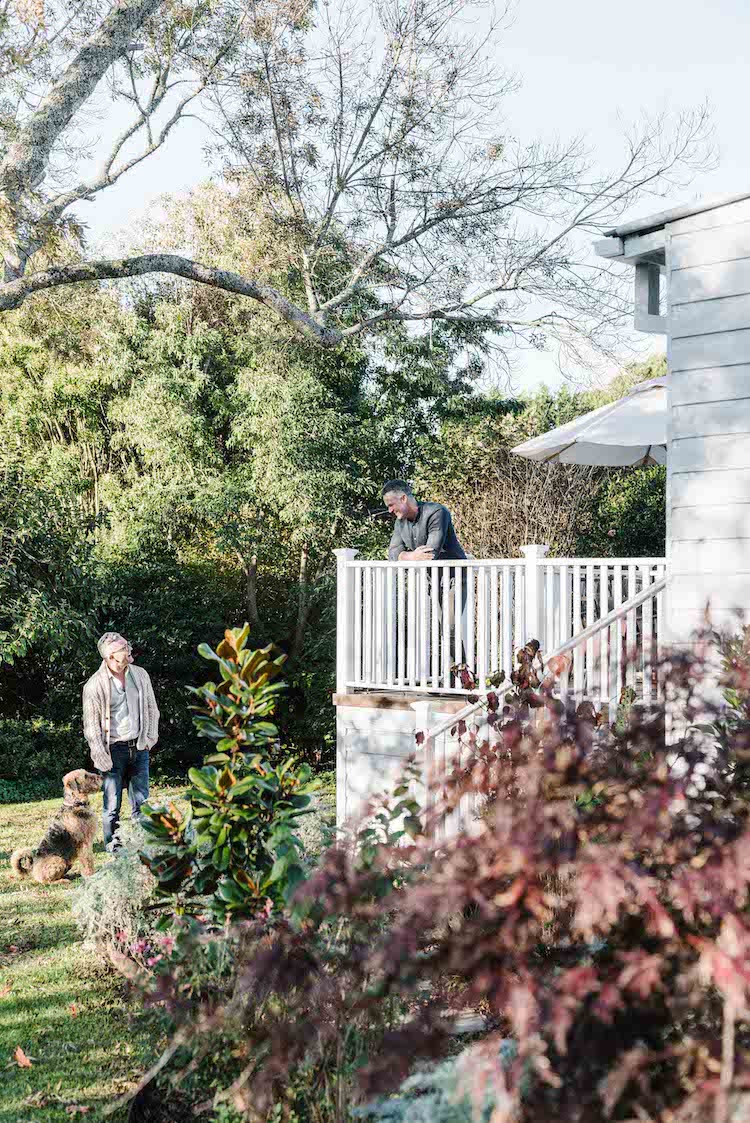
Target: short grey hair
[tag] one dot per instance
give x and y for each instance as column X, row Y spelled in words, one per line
column 111, row 641
column 397, row 487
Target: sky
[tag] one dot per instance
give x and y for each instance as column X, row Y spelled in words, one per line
column 587, row 68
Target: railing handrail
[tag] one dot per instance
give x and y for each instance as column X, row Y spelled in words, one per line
column 611, row 618
column 379, row 562
column 582, row 637
column 467, row 711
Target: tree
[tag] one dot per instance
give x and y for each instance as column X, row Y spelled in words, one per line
column 372, row 134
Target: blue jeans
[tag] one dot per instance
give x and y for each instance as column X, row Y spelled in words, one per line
column 129, row 769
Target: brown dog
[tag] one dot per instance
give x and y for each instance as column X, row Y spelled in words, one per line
column 70, row 835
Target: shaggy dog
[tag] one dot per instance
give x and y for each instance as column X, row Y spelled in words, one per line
column 69, row 836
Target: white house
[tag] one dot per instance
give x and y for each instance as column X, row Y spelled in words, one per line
column 395, row 646
column 692, row 283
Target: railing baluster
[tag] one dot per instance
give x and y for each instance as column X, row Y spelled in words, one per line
column 647, row 638
column 482, row 625
column 377, row 626
column 434, row 606
column 445, row 625
column 424, row 628
column 358, row 579
column 367, row 628
column 401, row 614
column 564, row 623
column 618, row 677
column 411, row 631
column 494, row 620
column 519, row 612
column 458, row 622
column 577, row 627
column 471, row 658
column 659, row 667
column 548, row 639
column 603, row 665
column 506, row 620
column 632, row 632
column 590, row 668
column 391, row 626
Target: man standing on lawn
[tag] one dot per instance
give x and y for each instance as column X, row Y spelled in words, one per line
column 121, row 725
column 423, row 531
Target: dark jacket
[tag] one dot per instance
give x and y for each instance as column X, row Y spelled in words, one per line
column 433, row 527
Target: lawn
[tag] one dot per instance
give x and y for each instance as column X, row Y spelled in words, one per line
column 64, row 1008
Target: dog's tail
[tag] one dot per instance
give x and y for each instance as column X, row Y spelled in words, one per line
column 21, row 861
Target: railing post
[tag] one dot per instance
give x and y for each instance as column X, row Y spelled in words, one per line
column 344, row 618
column 533, row 592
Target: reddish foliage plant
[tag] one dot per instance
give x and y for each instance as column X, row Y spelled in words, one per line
column 596, row 912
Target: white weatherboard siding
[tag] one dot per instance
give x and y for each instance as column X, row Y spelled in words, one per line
column 708, row 264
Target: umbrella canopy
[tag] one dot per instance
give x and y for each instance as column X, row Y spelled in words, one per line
column 632, row 430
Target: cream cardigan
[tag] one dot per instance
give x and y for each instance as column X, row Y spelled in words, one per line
column 96, row 717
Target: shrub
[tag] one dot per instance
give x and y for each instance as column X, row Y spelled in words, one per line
column 597, row 916
column 235, row 851
column 110, row 906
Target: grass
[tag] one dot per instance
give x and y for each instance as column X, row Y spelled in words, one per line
column 59, row 1002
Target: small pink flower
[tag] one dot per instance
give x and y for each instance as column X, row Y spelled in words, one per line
column 167, row 943
column 153, row 959
column 611, row 533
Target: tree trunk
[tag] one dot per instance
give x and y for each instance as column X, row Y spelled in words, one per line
column 251, row 590
column 250, row 570
column 303, row 603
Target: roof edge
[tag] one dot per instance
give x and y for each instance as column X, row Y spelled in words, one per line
column 656, row 221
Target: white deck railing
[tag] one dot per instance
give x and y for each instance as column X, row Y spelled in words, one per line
column 440, row 752
column 397, row 621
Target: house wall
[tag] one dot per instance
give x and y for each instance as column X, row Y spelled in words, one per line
column 708, row 530
column 375, row 736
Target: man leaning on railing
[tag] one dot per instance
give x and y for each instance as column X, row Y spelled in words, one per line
column 423, row 531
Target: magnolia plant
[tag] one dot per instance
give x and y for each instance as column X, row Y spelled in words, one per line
column 233, row 852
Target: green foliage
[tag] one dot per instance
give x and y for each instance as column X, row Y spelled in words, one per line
column 34, row 756
column 234, row 851
column 629, row 517
column 184, row 460
column 731, row 729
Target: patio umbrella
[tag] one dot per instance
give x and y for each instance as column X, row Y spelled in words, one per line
column 632, row 430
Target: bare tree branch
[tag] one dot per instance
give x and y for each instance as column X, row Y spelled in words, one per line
column 25, row 162
column 13, row 293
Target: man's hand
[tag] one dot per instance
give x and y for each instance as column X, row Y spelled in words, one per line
column 422, row 553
